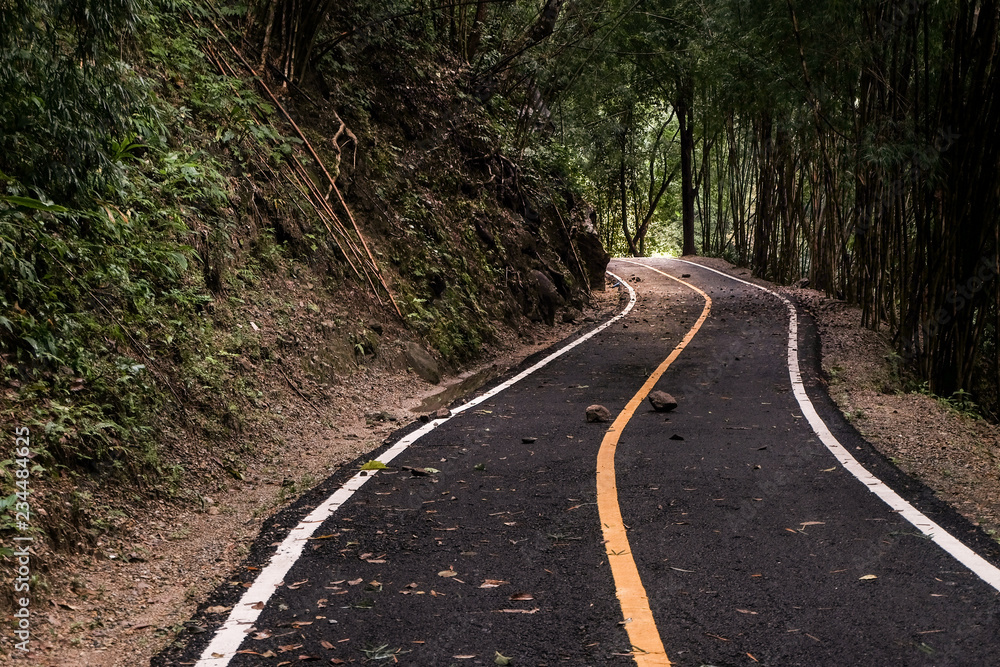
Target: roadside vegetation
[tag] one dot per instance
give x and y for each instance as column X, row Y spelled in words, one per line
column 154, row 183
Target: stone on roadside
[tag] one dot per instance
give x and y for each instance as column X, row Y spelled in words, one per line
column 442, row 413
column 598, row 413
column 571, row 315
column 662, row 401
column 422, row 363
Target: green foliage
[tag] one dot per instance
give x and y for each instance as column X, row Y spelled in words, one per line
column 83, row 291
column 97, row 287
column 65, row 92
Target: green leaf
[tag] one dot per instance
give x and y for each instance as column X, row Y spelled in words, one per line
column 31, row 202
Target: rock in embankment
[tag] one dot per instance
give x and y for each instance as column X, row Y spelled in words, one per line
column 422, row 363
column 548, row 297
column 591, row 252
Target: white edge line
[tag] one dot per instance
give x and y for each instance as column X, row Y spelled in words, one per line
column 966, row 556
column 229, row 637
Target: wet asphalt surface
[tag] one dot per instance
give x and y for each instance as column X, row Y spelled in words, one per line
column 749, row 537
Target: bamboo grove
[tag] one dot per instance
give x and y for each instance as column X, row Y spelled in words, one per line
column 851, row 143
column 872, row 170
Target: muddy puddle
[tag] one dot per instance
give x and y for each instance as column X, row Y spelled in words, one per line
column 447, row 396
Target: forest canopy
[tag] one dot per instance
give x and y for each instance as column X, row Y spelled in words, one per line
column 851, row 143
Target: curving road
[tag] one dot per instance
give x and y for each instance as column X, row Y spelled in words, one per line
column 746, row 540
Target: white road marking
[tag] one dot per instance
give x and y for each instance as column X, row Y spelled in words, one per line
column 229, row 637
column 966, row 556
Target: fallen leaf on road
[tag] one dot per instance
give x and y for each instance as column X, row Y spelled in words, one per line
column 257, row 605
column 464, row 657
column 492, row 583
column 746, row 611
column 868, row 577
column 297, row 584
column 829, row 469
column 289, row 647
column 218, row 609
column 521, row 597
column 263, row 634
column 502, row 659
column 326, row 644
column 709, row 634
column 813, row 523
column 355, row 582
column 680, row 570
column 447, row 573
column 519, row 611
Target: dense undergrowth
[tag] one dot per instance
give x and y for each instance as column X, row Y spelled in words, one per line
column 146, row 199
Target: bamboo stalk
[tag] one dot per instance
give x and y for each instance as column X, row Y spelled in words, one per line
column 319, row 162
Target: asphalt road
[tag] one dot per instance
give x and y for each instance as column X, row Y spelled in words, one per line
column 753, row 544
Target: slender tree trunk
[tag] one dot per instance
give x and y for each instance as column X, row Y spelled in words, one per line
column 685, row 116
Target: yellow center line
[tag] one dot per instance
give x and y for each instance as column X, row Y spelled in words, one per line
column 647, row 647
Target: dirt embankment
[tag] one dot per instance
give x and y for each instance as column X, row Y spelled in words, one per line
column 125, row 601
column 293, row 360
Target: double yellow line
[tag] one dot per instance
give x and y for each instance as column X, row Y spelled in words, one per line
column 647, row 647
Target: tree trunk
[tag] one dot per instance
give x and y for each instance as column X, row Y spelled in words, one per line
column 685, row 116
